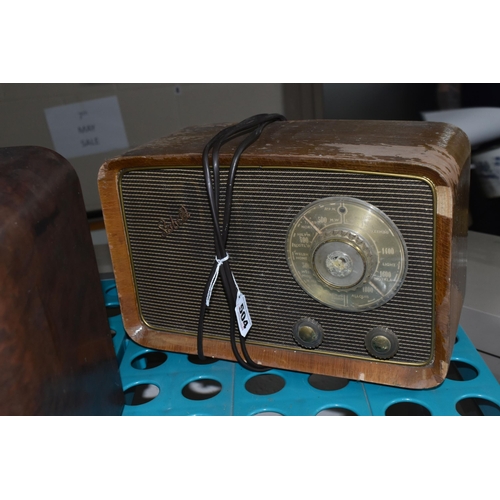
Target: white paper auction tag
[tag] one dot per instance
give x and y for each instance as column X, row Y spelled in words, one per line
column 243, row 314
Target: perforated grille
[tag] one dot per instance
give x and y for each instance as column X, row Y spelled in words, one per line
column 171, row 270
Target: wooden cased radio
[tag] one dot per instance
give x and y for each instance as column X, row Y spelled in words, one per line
column 348, row 239
column 56, row 350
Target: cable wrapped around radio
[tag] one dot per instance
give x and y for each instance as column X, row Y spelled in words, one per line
column 251, row 127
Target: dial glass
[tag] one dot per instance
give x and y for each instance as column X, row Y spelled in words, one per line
column 346, row 254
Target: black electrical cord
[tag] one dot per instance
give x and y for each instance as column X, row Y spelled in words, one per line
column 228, row 282
column 251, row 127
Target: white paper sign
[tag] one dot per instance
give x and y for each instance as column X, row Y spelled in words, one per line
column 86, row 128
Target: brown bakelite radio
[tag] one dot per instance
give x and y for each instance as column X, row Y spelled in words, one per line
column 347, row 238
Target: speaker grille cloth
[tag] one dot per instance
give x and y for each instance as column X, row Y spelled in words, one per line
column 171, row 271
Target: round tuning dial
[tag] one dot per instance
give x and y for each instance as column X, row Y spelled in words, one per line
column 381, row 343
column 308, row 333
column 346, row 253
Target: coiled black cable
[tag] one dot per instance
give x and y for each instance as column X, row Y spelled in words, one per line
column 251, row 127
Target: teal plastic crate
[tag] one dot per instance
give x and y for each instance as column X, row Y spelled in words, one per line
column 164, row 383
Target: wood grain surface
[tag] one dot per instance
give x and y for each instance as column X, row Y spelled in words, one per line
column 56, row 351
column 436, row 152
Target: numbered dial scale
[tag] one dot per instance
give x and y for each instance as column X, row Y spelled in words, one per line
column 346, row 254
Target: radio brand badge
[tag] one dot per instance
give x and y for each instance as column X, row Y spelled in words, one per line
column 168, row 226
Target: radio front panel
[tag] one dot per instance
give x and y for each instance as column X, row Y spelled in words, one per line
column 170, row 238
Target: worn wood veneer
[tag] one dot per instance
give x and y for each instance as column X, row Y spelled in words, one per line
column 56, row 352
column 436, row 152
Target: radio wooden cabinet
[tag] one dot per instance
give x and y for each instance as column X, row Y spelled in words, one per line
column 348, row 239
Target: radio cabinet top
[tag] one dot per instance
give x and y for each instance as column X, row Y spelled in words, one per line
column 347, row 237
column 438, row 150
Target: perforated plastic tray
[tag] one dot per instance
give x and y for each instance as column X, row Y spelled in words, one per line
column 164, row 383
